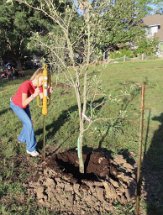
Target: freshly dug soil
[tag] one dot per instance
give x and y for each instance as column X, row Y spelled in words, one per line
column 60, row 186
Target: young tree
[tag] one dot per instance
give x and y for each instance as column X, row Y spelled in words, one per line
column 74, row 39
column 71, row 36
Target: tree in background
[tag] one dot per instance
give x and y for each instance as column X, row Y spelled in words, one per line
column 122, row 24
column 120, row 20
column 16, row 25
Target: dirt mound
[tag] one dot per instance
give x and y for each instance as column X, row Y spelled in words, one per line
column 59, row 186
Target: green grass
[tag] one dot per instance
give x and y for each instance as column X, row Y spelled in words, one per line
column 117, row 81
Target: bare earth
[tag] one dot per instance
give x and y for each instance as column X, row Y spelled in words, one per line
column 58, row 185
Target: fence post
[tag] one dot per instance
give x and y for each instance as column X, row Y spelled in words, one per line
column 139, row 161
column 142, row 57
column 124, row 58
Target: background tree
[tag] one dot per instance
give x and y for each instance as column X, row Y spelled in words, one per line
column 16, row 24
column 121, row 21
column 122, row 24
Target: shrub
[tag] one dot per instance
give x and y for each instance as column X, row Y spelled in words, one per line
column 147, row 46
column 121, row 53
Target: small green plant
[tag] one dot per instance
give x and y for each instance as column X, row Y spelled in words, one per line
column 128, row 209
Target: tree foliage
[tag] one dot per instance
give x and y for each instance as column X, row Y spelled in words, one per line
column 122, row 23
column 114, row 24
column 16, row 25
column 147, row 46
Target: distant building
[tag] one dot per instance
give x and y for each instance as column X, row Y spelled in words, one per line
column 154, row 27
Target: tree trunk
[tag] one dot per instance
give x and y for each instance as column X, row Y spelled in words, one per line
column 80, row 149
column 81, row 131
column 19, row 64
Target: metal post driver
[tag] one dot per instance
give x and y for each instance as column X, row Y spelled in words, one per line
column 45, row 100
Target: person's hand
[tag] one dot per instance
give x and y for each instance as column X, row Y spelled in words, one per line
column 36, row 93
column 50, row 89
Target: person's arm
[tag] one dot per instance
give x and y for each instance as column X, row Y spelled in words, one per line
column 26, row 100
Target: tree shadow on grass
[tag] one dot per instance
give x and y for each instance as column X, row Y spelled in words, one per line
column 55, row 126
column 4, row 111
column 152, row 171
column 52, row 128
column 3, row 83
column 118, row 120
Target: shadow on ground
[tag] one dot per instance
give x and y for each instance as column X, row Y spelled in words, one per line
column 153, row 169
column 4, row 111
column 55, row 126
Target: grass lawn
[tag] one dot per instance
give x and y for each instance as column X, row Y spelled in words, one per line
column 119, row 133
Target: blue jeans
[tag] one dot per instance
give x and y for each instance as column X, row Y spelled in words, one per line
column 27, row 133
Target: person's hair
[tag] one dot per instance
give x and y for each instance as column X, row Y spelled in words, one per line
column 37, row 74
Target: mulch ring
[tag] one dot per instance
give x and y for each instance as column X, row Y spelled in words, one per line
column 59, row 186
